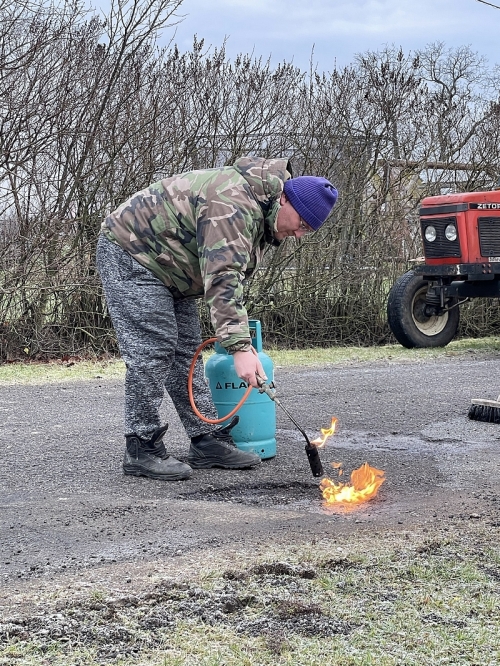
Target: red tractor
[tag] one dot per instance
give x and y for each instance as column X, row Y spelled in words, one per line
column 461, row 238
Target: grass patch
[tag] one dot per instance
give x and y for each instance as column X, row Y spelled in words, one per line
column 60, row 371
column 55, row 371
column 404, row 600
column 335, row 355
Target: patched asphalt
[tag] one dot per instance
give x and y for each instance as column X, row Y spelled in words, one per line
column 67, row 507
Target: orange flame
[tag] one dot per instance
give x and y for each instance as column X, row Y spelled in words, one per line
column 365, row 483
column 326, row 433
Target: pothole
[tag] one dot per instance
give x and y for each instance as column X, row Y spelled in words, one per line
column 300, row 496
column 282, row 494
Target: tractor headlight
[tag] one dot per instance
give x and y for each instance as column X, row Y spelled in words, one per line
column 430, row 233
column 451, row 232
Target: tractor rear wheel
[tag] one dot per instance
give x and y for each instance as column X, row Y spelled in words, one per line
column 407, row 318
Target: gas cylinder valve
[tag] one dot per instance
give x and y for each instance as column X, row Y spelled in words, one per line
column 268, row 389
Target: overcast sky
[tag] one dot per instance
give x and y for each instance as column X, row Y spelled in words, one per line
column 338, row 29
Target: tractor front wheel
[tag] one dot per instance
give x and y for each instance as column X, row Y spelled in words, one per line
column 407, row 318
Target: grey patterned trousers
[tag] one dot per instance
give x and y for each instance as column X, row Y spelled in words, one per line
column 157, row 336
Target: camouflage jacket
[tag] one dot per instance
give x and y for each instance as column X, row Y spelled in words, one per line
column 203, row 232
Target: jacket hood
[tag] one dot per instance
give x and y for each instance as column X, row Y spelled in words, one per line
column 266, row 178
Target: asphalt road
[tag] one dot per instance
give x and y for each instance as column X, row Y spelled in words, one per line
column 66, row 507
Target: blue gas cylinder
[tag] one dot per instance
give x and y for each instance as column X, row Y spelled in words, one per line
column 256, row 430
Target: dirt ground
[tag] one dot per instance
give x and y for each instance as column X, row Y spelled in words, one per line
column 71, row 519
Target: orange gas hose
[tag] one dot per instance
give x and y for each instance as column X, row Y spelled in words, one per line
column 190, row 387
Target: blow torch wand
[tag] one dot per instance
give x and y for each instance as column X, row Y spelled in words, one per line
column 311, row 450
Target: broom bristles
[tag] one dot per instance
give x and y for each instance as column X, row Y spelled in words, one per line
column 487, row 411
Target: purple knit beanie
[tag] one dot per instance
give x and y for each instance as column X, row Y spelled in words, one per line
column 312, row 197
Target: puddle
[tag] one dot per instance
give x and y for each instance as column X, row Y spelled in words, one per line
column 454, row 434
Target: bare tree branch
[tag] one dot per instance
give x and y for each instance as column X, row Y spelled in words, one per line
column 92, row 110
column 489, row 3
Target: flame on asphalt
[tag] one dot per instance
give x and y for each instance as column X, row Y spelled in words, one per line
column 364, row 483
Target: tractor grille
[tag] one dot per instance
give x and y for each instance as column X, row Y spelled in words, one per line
column 441, row 247
column 489, row 236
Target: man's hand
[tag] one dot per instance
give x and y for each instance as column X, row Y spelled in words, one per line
column 248, row 366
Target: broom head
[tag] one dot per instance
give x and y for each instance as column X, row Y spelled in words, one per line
column 487, row 411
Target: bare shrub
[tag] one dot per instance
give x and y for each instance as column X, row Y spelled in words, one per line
column 93, row 111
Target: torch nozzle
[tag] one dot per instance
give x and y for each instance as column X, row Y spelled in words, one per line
column 311, row 450
column 314, row 460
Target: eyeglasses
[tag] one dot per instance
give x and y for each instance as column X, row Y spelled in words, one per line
column 303, row 226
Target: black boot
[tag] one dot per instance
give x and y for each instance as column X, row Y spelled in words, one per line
column 217, row 449
column 149, row 458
